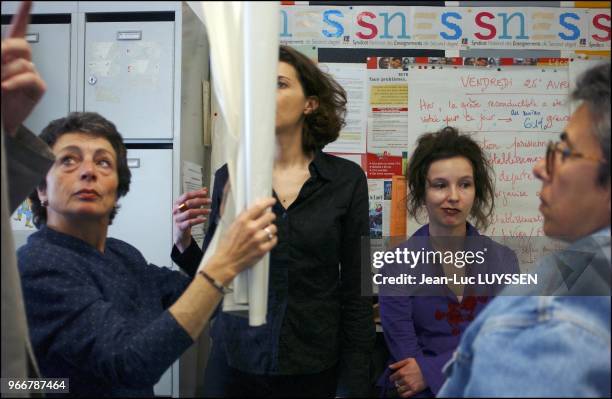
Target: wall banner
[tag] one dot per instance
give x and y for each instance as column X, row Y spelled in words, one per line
column 446, row 28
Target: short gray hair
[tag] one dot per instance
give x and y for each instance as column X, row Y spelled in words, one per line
column 593, row 88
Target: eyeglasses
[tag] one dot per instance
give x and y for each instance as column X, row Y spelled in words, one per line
column 553, row 149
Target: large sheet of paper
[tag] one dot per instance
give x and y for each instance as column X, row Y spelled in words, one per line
column 352, row 77
column 387, row 138
column 512, row 113
column 244, row 61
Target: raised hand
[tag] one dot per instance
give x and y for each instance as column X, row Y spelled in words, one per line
column 22, row 86
column 249, row 238
column 188, row 212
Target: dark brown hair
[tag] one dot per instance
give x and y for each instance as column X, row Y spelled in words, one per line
column 322, row 126
column 92, row 124
column 444, row 144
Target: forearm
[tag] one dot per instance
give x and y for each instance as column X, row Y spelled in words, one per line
column 241, row 246
column 183, row 243
column 137, row 360
column 194, row 308
column 28, row 160
column 398, row 326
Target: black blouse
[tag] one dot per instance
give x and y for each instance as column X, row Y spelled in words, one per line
column 316, row 316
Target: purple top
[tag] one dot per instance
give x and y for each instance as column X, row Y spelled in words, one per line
column 428, row 328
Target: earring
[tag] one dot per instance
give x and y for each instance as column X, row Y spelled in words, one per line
column 45, row 203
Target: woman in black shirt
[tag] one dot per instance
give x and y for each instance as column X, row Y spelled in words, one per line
column 319, row 331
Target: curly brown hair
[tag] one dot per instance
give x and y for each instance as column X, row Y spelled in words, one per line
column 443, row 144
column 323, row 125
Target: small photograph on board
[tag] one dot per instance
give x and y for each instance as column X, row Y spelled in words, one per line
column 525, row 61
column 396, row 63
column 481, row 61
column 22, row 218
column 383, row 63
column 376, row 210
column 406, row 61
column 387, row 190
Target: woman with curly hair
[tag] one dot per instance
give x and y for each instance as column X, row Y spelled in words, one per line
column 449, row 180
column 319, row 332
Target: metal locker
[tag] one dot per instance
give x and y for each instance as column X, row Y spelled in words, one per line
column 145, row 217
column 51, row 54
column 129, row 69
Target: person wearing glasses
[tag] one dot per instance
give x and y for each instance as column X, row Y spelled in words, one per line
column 555, row 345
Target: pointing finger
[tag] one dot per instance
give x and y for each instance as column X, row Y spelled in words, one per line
column 19, row 23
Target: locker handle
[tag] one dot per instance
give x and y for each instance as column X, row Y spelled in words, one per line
column 31, row 37
column 133, row 163
column 129, row 35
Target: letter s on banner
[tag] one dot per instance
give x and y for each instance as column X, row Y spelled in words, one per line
column 605, row 28
column 335, row 24
column 491, row 28
column 444, row 19
column 569, row 26
column 361, row 22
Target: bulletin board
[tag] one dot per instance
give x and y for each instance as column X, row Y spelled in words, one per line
column 500, row 72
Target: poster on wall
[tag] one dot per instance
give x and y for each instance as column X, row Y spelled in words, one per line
column 22, row 218
column 512, row 113
column 387, row 116
column 352, row 78
column 387, row 214
column 446, row 28
column 379, row 192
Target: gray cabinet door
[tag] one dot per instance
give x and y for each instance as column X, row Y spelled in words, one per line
column 129, row 74
column 145, row 217
column 51, row 54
